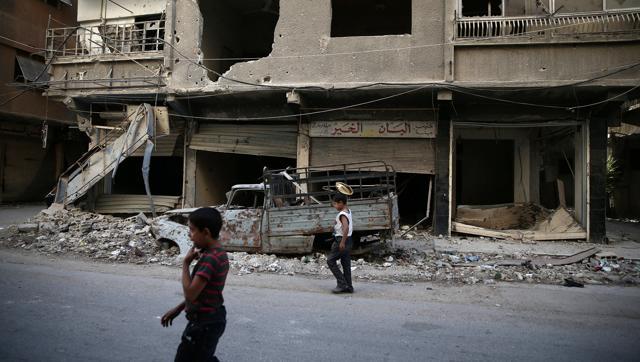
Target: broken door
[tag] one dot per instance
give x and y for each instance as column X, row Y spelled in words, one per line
column 242, row 218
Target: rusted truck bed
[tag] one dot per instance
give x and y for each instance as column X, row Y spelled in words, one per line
column 295, row 207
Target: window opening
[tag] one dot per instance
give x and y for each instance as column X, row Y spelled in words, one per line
column 370, row 17
column 475, row 8
column 235, row 31
column 247, row 199
column 481, row 8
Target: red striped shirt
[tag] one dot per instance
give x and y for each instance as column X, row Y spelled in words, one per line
column 212, row 266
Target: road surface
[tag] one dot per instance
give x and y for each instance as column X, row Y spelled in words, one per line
column 73, row 310
column 16, row 214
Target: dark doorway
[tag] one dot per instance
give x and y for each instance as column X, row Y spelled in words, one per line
column 484, row 172
column 165, row 177
column 412, row 197
column 216, row 172
column 370, row 17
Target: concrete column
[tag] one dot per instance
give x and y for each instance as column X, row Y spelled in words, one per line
column 580, row 180
column 189, row 177
column 597, row 179
column 442, row 198
column 303, row 156
column 448, row 48
column 304, row 145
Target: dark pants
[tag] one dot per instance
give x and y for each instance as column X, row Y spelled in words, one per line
column 343, row 278
column 200, row 339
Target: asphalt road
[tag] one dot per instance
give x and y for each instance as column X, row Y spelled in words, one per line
column 67, row 310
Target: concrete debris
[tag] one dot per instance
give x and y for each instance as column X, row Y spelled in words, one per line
column 119, row 240
column 518, row 222
column 410, row 265
column 142, row 219
column 502, row 217
column 93, row 235
column 28, row 228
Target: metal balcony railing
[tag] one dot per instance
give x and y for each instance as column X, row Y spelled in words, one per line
column 138, row 37
column 535, row 27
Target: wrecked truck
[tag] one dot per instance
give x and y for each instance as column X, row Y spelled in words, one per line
column 291, row 209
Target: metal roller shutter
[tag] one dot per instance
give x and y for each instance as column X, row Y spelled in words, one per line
column 405, row 155
column 276, row 140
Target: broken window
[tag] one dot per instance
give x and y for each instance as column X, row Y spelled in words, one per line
column 622, row 4
column 526, row 7
column 247, row 199
column 237, row 31
column 30, row 69
column 481, row 8
column 474, row 8
column 577, row 6
column 151, row 32
column 370, row 17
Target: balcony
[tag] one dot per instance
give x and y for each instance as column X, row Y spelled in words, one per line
column 111, row 55
column 549, row 28
column 107, row 39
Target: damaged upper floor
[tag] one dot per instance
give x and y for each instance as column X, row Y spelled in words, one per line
column 190, row 46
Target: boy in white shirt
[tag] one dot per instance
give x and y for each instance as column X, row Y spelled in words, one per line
column 341, row 248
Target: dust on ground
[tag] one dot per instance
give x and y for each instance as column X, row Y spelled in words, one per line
column 415, row 259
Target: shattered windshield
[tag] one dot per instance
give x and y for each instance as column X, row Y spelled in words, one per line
column 247, row 199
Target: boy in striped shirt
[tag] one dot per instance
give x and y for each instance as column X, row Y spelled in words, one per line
column 204, row 304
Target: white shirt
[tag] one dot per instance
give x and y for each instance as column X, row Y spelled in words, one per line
column 338, row 227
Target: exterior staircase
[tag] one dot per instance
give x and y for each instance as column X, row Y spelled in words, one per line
column 106, row 155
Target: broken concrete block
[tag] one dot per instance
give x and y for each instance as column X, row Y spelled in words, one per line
column 144, row 230
column 86, row 227
column 142, row 220
column 138, row 252
column 27, row 228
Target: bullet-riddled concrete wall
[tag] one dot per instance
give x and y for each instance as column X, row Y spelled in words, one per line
column 304, row 29
column 551, row 64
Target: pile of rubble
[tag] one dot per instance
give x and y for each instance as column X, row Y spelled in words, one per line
column 415, row 265
column 131, row 241
column 93, row 235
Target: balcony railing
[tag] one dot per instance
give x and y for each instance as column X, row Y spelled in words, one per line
column 138, row 37
column 548, row 27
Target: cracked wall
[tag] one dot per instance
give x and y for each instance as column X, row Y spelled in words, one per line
column 303, row 44
column 184, row 55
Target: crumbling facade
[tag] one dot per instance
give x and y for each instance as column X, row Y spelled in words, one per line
column 471, row 102
column 35, row 141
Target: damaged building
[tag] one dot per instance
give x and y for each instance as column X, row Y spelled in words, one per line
column 479, row 106
column 36, row 141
